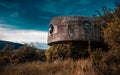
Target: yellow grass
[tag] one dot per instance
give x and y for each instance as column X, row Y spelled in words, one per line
column 59, row 67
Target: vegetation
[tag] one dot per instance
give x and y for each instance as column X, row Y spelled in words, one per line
column 103, row 62
column 22, row 55
column 58, row 67
column 69, row 58
column 66, row 51
column 108, row 63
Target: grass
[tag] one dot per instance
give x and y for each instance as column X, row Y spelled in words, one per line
column 58, row 67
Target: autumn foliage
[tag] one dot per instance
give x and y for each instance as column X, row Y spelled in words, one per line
column 68, row 59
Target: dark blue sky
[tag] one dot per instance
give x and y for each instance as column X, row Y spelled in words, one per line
column 27, row 20
column 36, row 14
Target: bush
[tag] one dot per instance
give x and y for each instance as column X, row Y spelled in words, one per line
column 8, row 47
column 7, row 51
column 112, row 62
column 106, row 63
column 96, row 58
column 41, row 55
column 4, row 61
column 24, row 54
column 112, row 34
column 65, row 51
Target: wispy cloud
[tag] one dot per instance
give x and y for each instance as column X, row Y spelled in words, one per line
column 6, row 26
column 15, row 35
column 36, row 14
column 15, row 14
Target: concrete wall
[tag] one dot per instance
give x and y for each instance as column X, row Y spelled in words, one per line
column 73, row 28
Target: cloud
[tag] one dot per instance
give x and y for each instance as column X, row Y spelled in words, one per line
column 21, row 36
column 36, row 14
column 6, row 26
column 34, row 37
column 15, row 14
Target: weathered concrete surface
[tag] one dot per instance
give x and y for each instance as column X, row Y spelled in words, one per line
column 73, row 28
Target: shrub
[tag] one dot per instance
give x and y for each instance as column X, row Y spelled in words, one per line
column 106, row 63
column 50, row 53
column 96, row 58
column 4, row 61
column 8, row 47
column 65, row 51
column 112, row 62
column 24, row 54
column 7, row 51
column 112, row 34
column 41, row 55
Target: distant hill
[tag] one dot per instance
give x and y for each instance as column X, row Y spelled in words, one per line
column 14, row 46
column 38, row 45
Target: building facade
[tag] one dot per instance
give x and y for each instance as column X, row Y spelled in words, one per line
column 73, row 28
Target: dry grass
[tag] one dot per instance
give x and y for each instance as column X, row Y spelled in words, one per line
column 59, row 67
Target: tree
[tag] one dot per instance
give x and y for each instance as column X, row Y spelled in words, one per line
column 108, row 63
column 112, row 34
column 65, row 51
column 8, row 47
column 24, row 54
column 108, row 20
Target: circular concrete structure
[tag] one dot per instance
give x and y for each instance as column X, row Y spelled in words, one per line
column 73, row 28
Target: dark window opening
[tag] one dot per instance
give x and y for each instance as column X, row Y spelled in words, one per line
column 51, row 28
column 87, row 25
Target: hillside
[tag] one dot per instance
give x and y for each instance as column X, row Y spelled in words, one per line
column 14, row 46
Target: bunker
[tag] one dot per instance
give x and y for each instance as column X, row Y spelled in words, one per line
column 73, row 28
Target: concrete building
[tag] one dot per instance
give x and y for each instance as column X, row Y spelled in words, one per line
column 73, row 28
